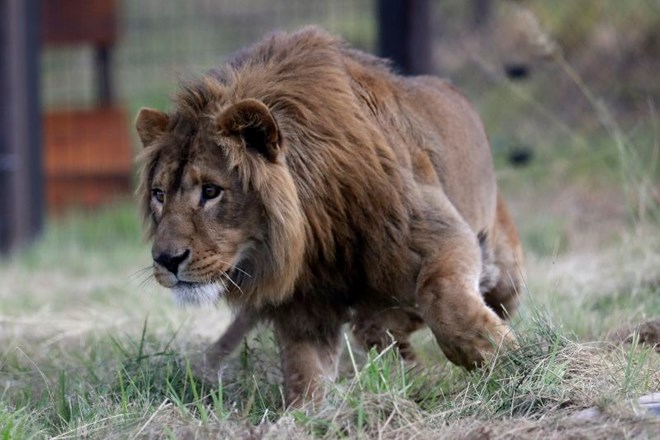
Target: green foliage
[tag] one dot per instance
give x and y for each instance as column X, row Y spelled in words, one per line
column 17, row 424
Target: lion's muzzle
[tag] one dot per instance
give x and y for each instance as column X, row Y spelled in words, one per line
column 172, row 262
column 169, row 266
column 173, row 270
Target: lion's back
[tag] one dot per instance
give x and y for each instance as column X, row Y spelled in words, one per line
column 435, row 133
column 460, row 152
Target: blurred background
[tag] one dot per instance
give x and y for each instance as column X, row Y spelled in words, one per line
column 537, row 71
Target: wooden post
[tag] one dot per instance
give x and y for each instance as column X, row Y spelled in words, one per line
column 21, row 175
column 404, row 35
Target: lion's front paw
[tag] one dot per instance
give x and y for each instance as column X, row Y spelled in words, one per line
column 480, row 346
column 207, row 366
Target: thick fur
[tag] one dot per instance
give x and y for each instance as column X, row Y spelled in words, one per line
column 348, row 192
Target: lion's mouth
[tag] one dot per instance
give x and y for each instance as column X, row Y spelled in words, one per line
column 205, row 293
column 198, row 294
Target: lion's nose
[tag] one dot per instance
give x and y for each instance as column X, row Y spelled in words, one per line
column 171, row 262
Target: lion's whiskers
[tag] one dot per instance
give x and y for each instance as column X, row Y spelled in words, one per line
column 223, row 287
column 235, row 267
column 232, row 281
column 145, row 282
column 139, row 272
column 143, row 277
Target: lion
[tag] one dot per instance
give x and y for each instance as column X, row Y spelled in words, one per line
column 309, row 185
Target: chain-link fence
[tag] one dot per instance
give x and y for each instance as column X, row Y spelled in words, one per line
column 89, row 95
column 161, row 41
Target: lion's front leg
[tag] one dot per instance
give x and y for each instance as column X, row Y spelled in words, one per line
column 308, row 356
column 379, row 328
column 213, row 359
column 448, row 297
column 238, row 329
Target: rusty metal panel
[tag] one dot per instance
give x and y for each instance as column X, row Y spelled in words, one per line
column 79, row 21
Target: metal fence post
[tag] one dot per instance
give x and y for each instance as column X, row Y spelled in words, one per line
column 21, row 175
column 404, row 35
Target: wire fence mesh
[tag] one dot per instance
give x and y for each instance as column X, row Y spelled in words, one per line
column 160, row 42
column 516, row 60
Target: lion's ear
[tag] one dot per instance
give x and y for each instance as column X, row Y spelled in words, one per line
column 150, row 124
column 254, row 123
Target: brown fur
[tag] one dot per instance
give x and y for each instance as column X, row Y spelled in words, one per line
column 348, row 192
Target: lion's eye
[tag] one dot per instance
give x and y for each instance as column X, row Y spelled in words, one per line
column 210, row 191
column 158, row 194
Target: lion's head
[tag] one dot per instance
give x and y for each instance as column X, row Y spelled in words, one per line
column 219, row 202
